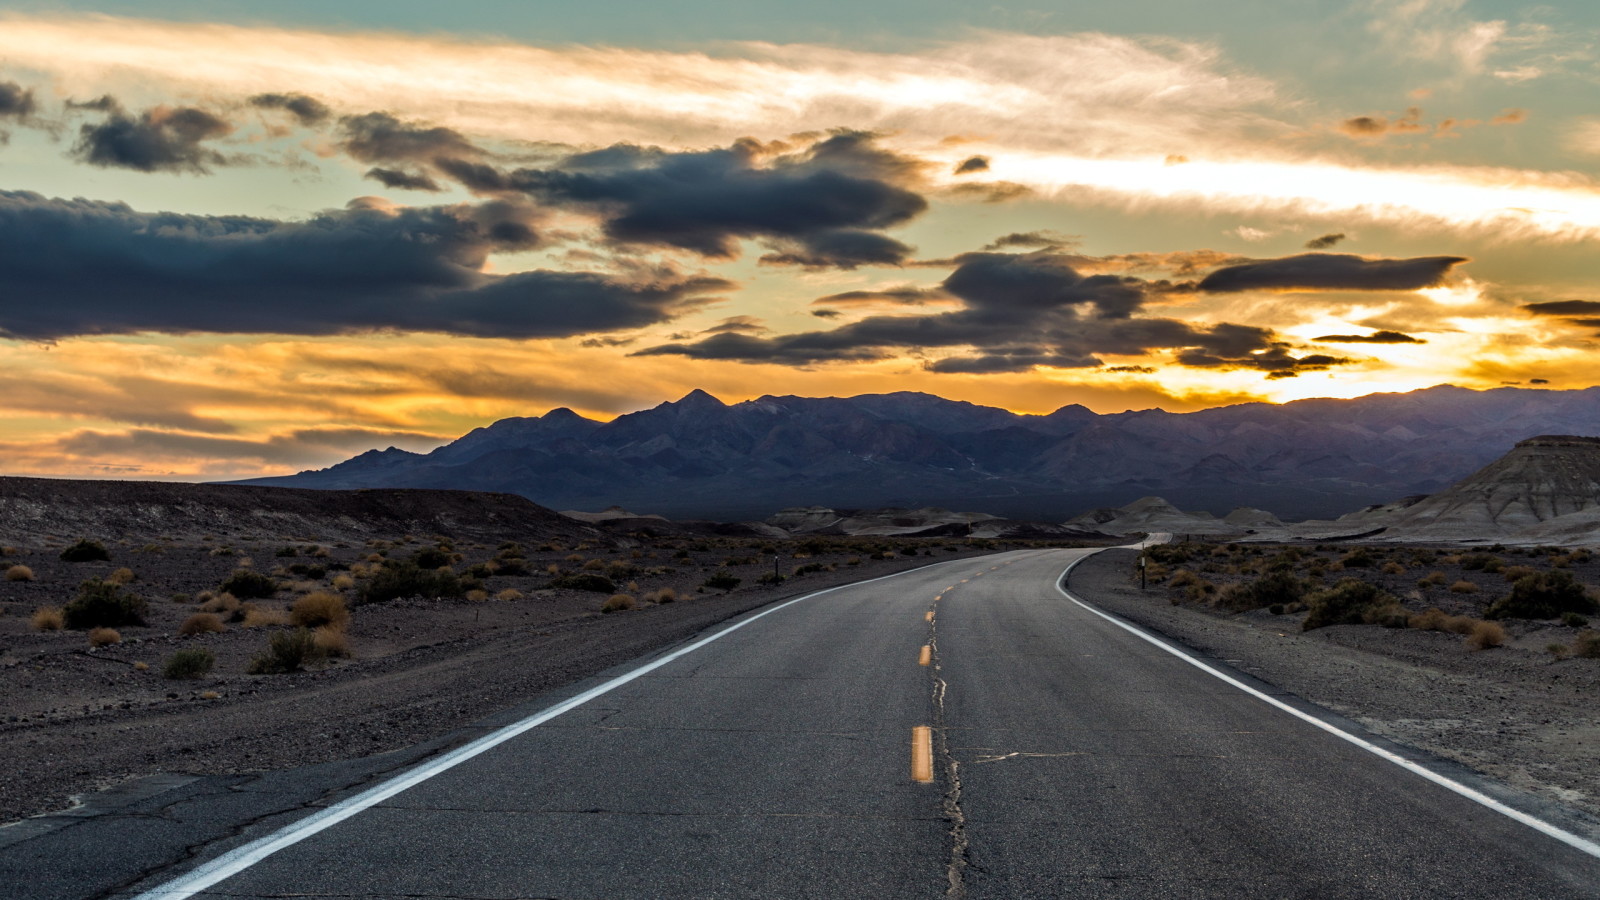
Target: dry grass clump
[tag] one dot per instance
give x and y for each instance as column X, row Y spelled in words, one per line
column 593, row 565
column 319, row 608
column 287, row 651
column 575, row 557
column 330, row 641
column 1436, row 619
column 1463, row 587
column 19, row 573
column 104, row 637
column 220, row 603
column 618, row 603
column 263, row 617
column 661, row 595
column 1485, row 635
column 48, row 618
column 1586, row 645
column 121, row 576
column 201, row 623
column 141, row 666
column 343, row 582
column 509, row 594
column 188, row 663
column 1514, row 574
column 1393, row 568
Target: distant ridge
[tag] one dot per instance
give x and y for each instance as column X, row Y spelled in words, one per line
column 698, row 458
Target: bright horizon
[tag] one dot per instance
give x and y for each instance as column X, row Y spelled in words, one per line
column 251, row 243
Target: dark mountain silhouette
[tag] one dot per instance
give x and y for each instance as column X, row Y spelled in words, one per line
column 700, row 458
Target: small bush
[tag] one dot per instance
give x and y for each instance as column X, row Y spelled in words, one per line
column 1358, row 558
column 85, row 551
column 1431, row 619
column 1542, row 596
column 103, row 637
column 1463, row 587
column 1393, row 568
column 220, row 603
column 1481, row 562
column 1558, row 652
column 101, row 604
column 1432, row 579
column 201, row 623
column 1513, row 574
column 593, row 565
column 431, row 558
column 1573, row 620
column 722, row 581
column 263, row 617
column 342, row 582
column 123, row 575
column 509, row 594
column 1485, row 635
column 19, row 573
column 287, row 651
column 587, row 581
column 511, row 567
column 188, row 664
column 330, row 641
column 47, row 618
column 664, row 595
column 1350, row 602
column 1587, row 645
column 319, row 608
column 1279, row 588
column 408, row 580
column 248, row 585
column 618, row 603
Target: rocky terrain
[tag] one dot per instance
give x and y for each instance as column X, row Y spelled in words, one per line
column 698, row 458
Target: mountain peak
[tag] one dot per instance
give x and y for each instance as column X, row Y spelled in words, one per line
column 698, row 399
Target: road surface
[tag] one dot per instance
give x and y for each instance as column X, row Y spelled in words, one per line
column 962, row 730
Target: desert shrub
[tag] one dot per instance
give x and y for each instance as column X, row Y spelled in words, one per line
column 1350, row 602
column 319, row 608
column 477, row 595
column 1586, row 645
column 1433, row 578
column 593, row 565
column 431, row 558
column 1358, row 558
column 1280, row 588
column 1463, row 587
column 1393, row 568
column 47, row 618
column 586, row 581
column 1513, row 574
column 1431, row 619
column 19, row 573
column 618, row 603
column 1542, row 596
column 102, row 637
column 100, row 604
column 343, row 582
column 853, row 561
column 511, row 566
column 263, row 617
column 86, row 551
column 284, row 552
column 509, row 594
column 188, row 663
column 309, row 570
column 1481, row 562
column 201, row 623
column 330, row 641
column 123, row 575
column 248, row 585
column 663, row 595
column 407, row 580
column 722, row 581
column 287, row 651
column 1558, row 652
column 1573, row 620
column 220, row 603
column 1485, row 635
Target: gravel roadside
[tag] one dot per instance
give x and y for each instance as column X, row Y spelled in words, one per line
column 1512, row 713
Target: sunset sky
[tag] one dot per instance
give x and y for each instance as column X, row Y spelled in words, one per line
column 241, row 239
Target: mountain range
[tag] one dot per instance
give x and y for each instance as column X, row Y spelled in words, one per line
column 698, row 458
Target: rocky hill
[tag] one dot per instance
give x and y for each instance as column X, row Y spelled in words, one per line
column 35, row 509
column 698, row 458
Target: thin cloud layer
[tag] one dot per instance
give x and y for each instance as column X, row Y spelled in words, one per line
column 1332, row 272
column 77, row 267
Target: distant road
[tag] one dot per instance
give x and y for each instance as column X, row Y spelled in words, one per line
column 1065, row 757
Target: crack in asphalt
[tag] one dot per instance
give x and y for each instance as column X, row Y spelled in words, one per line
column 955, row 869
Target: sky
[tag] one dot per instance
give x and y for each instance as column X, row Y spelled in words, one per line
column 240, row 239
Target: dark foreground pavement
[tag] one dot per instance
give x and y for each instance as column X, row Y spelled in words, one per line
column 1070, row 758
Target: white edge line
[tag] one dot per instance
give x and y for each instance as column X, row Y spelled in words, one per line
column 1560, row 834
column 241, row 858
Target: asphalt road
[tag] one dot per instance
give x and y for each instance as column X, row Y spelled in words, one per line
column 1067, row 758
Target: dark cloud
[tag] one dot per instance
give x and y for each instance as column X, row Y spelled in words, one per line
column 905, row 296
column 1136, row 370
column 740, row 324
column 1032, row 240
column 1381, row 337
column 308, row 110
column 405, row 181
column 826, row 313
column 1564, row 308
column 77, row 267
column 16, row 102
column 1325, row 241
column 379, row 137
column 1377, row 126
column 973, row 164
column 163, row 139
column 1539, row 381
column 1018, row 311
column 822, row 205
column 1332, row 272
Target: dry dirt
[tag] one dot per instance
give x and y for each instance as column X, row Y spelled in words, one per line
column 1516, row 712
column 75, row 719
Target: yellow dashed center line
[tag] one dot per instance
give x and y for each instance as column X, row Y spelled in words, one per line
column 922, row 753
column 928, row 617
column 926, row 656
